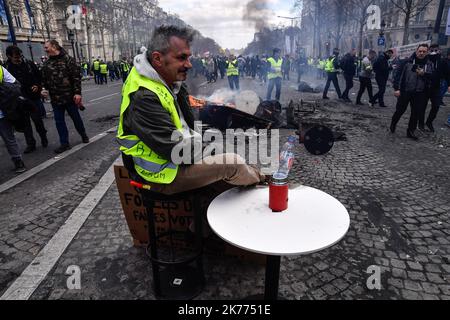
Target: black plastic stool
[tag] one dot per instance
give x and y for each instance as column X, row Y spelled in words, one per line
column 175, row 279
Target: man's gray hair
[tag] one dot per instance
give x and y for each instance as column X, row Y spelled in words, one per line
column 160, row 40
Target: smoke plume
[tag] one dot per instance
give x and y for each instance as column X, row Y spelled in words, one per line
column 257, row 13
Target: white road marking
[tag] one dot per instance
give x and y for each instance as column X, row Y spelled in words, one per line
column 30, row 279
column 28, row 174
column 96, row 89
column 104, row 97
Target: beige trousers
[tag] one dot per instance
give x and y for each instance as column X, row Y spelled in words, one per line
column 230, row 168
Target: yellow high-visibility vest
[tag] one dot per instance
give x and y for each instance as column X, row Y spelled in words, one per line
column 232, row 69
column 103, row 68
column 276, row 65
column 147, row 163
column 329, row 65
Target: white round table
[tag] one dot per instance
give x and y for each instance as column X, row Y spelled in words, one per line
column 313, row 221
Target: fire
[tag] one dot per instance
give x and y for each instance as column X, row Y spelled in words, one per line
column 198, row 103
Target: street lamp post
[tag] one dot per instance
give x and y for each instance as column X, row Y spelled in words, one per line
column 430, row 30
column 290, row 18
column 71, row 36
column 383, row 27
column 292, row 30
column 30, row 48
column 381, row 39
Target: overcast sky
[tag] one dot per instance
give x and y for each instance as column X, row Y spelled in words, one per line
column 222, row 20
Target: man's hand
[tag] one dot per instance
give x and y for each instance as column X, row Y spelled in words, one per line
column 448, row 90
column 397, row 93
column 77, row 99
column 44, row 93
column 34, row 89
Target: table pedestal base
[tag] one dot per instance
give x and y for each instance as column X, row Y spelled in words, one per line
column 180, row 283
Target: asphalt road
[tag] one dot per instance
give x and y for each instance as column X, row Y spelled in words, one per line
column 102, row 107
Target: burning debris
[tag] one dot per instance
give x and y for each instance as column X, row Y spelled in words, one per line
column 226, row 109
column 307, row 88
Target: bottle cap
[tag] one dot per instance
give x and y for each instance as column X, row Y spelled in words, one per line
column 292, row 139
column 279, row 177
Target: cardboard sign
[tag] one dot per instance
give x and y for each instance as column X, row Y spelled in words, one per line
column 177, row 215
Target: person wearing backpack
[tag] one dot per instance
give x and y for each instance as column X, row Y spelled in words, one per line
column 31, row 83
column 7, row 98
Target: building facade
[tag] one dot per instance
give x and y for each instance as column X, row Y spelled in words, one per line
column 108, row 29
column 318, row 35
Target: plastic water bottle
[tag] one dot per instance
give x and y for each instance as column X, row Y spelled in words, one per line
column 286, row 159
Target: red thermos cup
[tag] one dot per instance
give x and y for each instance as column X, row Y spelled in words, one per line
column 278, row 196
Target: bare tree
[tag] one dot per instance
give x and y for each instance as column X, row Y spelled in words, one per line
column 338, row 18
column 45, row 10
column 360, row 15
column 314, row 18
column 410, row 9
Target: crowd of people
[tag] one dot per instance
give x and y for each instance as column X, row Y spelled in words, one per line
column 23, row 88
column 417, row 80
column 101, row 70
column 423, row 77
column 270, row 70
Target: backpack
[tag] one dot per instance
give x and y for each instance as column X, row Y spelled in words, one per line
column 13, row 105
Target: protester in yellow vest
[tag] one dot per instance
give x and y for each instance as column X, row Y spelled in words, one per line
column 331, row 68
column 157, row 138
column 233, row 73
column 96, row 70
column 124, row 68
column 274, row 74
column 85, row 67
column 103, row 72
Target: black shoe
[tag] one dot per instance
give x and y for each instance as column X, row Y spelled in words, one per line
column 392, row 128
column 29, row 149
column 383, row 106
column 410, row 134
column 19, row 166
column 421, row 128
column 430, row 126
column 325, row 98
column 85, row 139
column 348, row 100
column 62, row 148
column 359, row 104
column 44, row 142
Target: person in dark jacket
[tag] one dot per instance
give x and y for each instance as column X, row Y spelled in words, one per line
column 440, row 73
column 62, row 79
column 301, row 65
column 6, row 127
column 155, row 113
column 411, row 85
column 29, row 77
column 348, row 66
column 382, row 68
